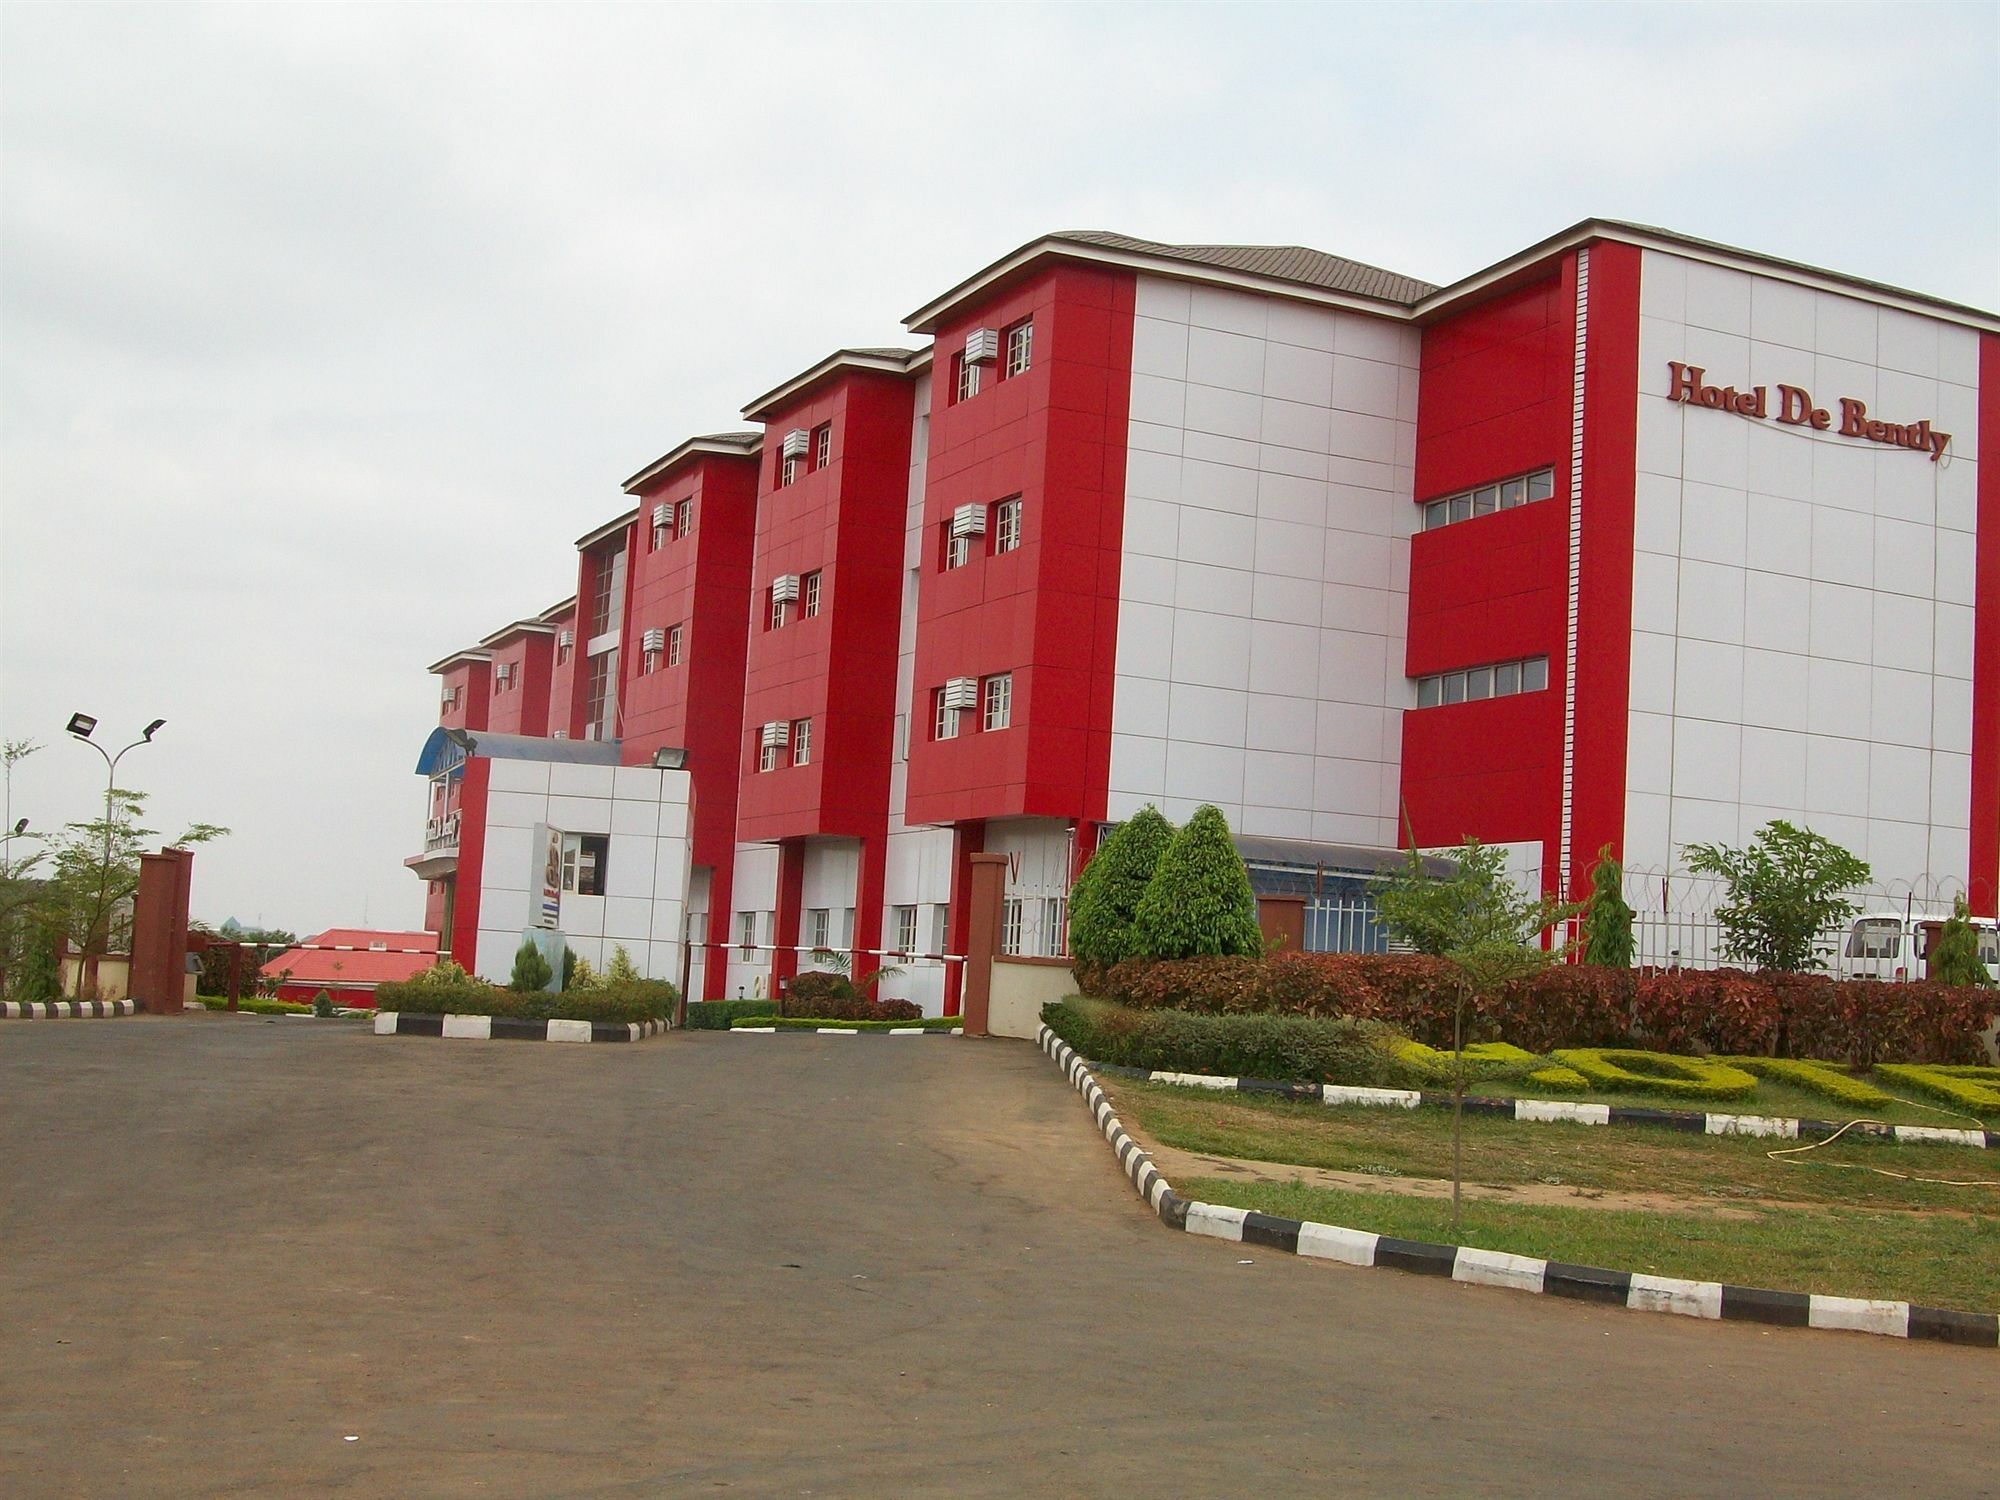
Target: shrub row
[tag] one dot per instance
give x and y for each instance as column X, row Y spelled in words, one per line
column 1828, row 1080
column 1624, row 1068
column 1306, row 1049
column 812, row 1023
column 834, row 997
column 1569, row 1005
column 1481, row 1061
column 611, row 1000
column 1976, row 1089
column 716, row 1015
column 256, row 1005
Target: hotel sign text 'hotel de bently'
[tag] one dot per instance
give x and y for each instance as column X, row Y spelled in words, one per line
column 1686, row 384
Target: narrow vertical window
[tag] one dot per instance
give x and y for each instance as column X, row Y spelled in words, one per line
column 1007, row 525
column 809, row 594
column 674, row 638
column 822, row 445
column 998, row 701
column 780, row 610
column 1055, row 926
column 684, row 516
column 906, row 930
column 944, row 724
column 767, row 757
column 802, row 742
column 1020, row 347
column 746, row 928
column 966, row 375
column 1010, row 926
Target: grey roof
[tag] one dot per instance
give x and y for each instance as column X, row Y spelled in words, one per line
column 706, row 442
column 1337, row 858
column 1294, row 263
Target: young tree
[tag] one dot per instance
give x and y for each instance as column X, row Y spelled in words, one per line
column 1106, row 894
column 1199, row 900
column 531, row 970
column 1486, row 928
column 1785, row 889
column 1955, row 955
column 94, row 873
column 621, row 968
column 1607, row 918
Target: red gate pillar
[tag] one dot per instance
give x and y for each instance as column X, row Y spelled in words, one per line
column 982, row 938
column 159, row 931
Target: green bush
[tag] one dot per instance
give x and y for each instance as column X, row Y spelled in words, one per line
column 531, row 969
column 256, row 1005
column 632, row 1000
column 1954, row 957
column 716, row 1015
column 1629, row 1071
column 1481, row 1060
column 1199, row 900
column 1607, row 917
column 813, row 1023
column 1558, row 1079
column 1278, row 1047
column 1106, row 894
column 1976, row 1089
column 1829, row 1080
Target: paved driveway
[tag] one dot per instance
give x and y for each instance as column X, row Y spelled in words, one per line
column 793, row 1266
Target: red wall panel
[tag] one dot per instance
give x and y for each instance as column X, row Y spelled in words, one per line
column 1047, row 612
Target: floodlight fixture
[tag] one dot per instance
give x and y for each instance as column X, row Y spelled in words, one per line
column 152, row 729
column 80, row 725
column 670, row 758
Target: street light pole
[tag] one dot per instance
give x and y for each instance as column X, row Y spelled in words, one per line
column 80, row 727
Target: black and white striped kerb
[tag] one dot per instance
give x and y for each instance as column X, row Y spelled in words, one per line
column 1573, row 1112
column 1165, row 1202
column 847, row 1031
column 1357, row 1247
column 512, row 1028
column 59, row 1010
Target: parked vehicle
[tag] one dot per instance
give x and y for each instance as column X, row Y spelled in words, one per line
column 1893, row 945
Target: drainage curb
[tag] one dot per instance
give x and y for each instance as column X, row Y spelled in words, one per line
column 1572, row 1112
column 1356, row 1247
column 59, row 1010
column 512, row 1028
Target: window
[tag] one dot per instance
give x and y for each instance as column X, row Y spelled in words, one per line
column 957, row 549
column 997, row 699
column 564, row 643
column 780, row 610
column 1020, row 346
column 822, row 445
column 684, row 516
column 585, row 863
column 746, row 928
column 1010, row 925
column 1055, row 926
column 661, row 525
column 604, row 589
column 1875, row 937
column 650, row 662
column 600, row 696
column 906, row 930
column 802, row 742
column 819, row 928
column 767, row 757
column 809, row 595
column 1474, row 684
column 966, row 377
column 788, row 469
column 1522, row 489
column 944, row 724
column 675, row 635
column 1007, row 525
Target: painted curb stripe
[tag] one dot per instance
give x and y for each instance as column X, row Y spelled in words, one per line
column 1698, row 1299
column 66, row 1010
column 512, row 1028
column 1563, row 1111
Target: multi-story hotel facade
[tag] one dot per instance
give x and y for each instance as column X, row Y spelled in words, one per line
column 1628, row 541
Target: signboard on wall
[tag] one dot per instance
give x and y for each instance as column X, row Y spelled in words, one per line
column 1689, row 385
column 545, row 876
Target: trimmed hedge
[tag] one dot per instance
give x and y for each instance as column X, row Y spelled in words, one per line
column 716, row 1015
column 1973, row 1088
column 1829, row 1080
column 257, row 1006
column 1626, row 1068
column 830, row 997
column 611, row 1000
column 1569, row 1005
column 813, row 1023
column 1305, row 1049
column 1483, row 1060
column 1558, row 1079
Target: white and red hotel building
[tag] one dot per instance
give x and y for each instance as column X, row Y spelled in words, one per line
column 1629, row 540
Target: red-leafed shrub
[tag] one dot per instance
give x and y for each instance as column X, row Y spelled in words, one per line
column 1211, row 985
column 1706, row 1010
column 1564, row 1005
column 832, row 997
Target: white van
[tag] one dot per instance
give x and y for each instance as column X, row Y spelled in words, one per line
column 1890, row 945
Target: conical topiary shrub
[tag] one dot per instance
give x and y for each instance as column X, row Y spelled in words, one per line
column 1107, row 893
column 1199, row 900
column 531, row 970
column 1607, row 917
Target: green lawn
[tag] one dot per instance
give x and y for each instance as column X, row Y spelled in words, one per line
column 1933, row 1259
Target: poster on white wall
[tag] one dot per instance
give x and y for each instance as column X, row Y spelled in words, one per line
column 546, row 876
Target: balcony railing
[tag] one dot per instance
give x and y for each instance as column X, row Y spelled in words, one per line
column 441, row 832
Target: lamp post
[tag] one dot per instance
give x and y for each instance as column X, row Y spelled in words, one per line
column 80, row 727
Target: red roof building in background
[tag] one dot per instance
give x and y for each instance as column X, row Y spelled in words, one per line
column 348, row 962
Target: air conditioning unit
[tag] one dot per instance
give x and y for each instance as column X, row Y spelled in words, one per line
column 653, row 640
column 777, row 732
column 660, row 513
column 503, row 674
column 982, row 346
column 566, row 639
column 969, row 520
column 785, row 588
column 795, row 443
column 961, row 692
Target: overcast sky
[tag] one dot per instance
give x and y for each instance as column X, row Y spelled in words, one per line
column 325, row 332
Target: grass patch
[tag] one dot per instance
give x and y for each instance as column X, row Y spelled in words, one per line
column 1620, row 1158
column 1940, row 1261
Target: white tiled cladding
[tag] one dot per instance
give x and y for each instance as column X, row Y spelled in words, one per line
column 1267, row 523
column 1821, row 583
column 754, row 888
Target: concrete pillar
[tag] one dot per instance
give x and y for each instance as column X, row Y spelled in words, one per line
column 159, row 931
column 982, row 938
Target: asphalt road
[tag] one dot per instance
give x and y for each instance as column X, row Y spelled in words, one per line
column 281, row 1257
